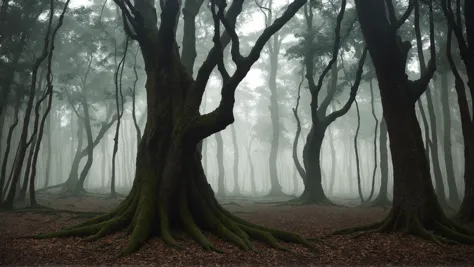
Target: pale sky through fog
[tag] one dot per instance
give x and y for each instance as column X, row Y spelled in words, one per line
column 254, row 76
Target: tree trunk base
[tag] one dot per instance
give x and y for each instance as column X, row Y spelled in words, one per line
column 465, row 213
column 440, row 230
column 192, row 207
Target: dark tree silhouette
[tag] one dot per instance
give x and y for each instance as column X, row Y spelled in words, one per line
column 415, row 208
column 170, row 187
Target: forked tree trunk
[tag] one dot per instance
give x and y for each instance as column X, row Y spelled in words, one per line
column 170, row 188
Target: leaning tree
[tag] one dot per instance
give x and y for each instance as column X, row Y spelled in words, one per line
column 170, row 187
column 415, row 207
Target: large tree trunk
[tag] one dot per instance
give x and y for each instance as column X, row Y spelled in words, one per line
column 170, row 188
column 415, row 207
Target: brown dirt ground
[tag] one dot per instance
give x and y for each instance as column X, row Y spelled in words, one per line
column 309, row 221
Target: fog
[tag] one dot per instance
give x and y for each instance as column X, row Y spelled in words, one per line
column 142, row 107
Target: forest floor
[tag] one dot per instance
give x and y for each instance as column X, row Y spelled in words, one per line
column 309, row 221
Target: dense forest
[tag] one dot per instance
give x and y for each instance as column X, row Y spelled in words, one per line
column 265, row 132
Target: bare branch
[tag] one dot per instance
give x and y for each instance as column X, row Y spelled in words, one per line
column 222, row 116
column 398, row 23
column 212, row 59
column 217, row 42
column 354, row 88
column 420, row 85
column 337, row 41
column 263, row 12
column 235, row 48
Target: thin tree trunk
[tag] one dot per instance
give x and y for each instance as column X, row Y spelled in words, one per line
column 448, row 153
column 236, row 160
column 356, row 151
column 6, row 154
column 221, row 190
column 374, row 173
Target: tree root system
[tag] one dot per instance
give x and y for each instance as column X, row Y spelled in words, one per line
column 441, row 230
column 195, row 209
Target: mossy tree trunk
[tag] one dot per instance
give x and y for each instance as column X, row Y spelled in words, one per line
column 415, row 208
column 170, row 188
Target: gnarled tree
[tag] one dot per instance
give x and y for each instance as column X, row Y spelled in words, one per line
column 170, row 187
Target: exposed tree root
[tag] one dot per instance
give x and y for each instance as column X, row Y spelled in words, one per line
column 196, row 209
column 441, row 230
column 48, row 210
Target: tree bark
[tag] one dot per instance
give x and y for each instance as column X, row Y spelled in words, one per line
column 415, row 207
column 170, row 187
column 466, row 211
